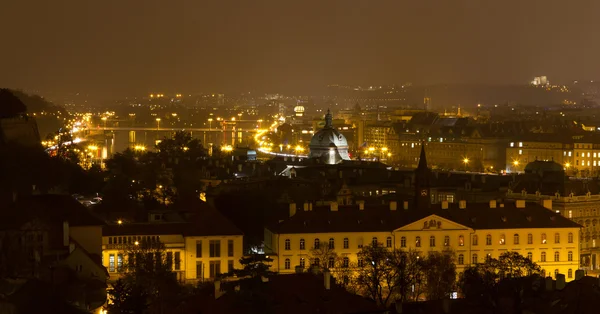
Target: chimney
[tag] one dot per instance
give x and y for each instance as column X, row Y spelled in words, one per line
column 547, row 204
column 218, row 292
column 66, row 233
column 520, row 203
column 444, row 204
column 361, row 204
column 327, row 279
column 405, row 205
column 393, row 205
column 292, row 209
column 462, row 204
column 333, row 206
column 493, row 204
column 579, row 274
column 560, row 281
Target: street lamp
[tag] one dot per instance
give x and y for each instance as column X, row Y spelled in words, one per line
column 158, row 123
column 466, row 162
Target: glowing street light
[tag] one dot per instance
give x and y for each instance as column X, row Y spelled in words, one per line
column 466, row 162
column 210, row 120
column 104, row 119
column 158, row 123
column 516, row 163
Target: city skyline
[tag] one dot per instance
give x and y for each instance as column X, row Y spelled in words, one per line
column 137, row 48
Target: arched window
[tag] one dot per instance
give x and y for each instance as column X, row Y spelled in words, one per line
column 543, row 238
column 302, row 262
column 502, row 240
column 555, row 273
column 570, row 256
column 461, row 259
column 403, row 242
column 570, row 273
column 570, row 237
column 557, row 237
column 302, row 245
column 474, row 260
column 331, row 262
column 530, row 256
column 446, row 241
column 287, row 244
column 488, row 239
column 287, row 263
column 418, row 241
column 556, row 256
column 488, row 257
column 374, row 242
column 516, row 238
column 346, row 243
column 317, row 243
column 346, row 262
column 529, row 238
column 331, row 243
column 475, row 239
column 388, row 242
column 461, row 240
column 432, row 241
column 543, row 257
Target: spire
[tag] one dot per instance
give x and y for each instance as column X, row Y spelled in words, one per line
column 422, row 158
column 328, row 120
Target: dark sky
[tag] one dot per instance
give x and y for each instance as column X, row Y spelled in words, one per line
column 139, row 46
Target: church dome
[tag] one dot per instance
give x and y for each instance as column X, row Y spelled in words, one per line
column 329, row 144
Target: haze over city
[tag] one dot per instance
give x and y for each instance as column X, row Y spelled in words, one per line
column 137, row 47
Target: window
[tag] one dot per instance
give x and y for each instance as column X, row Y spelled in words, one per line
column 199, row 270
column 529, row 238
column 302, row 246
column 556, row 256
column 543, row 238
column 432, row 241
column 543, row 273
column 229, row 266
column 177, row 260
column 361, row 262
column 331, row 243
column 488, row 239
column 388, row 242
column 475, row 239
column 570, row 273
column 516, row 239
column 543, row 257
column 570, row 214
column 346, row 243
column 520, row 144
column 331, row 263
column 446, row 240
column 230, row 248
column 512, row 144
column 557, row 237
column 345, row 262
column 418, row 241
column 317, row 243
column 287, row 263
column 215, row 269
column 403, row 242
column 461, row 240
column 374, row 241
column 288, row 245
column 570, row 256
column 570, row 237
column 488, row 256
column 120, row 262
column 169, row 261
column 461, row 259
column 198, row 249
column 215, row 248
column 111, row 263
column 530, row 256
column 474, row 260
column 555, row 273
column 316, row 261
column 302, row 262
column 502, row 240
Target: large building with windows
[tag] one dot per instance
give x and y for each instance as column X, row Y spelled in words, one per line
column 197, row 249
column 474, row 231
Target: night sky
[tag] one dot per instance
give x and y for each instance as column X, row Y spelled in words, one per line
column 140, row 46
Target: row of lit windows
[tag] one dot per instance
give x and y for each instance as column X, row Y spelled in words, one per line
column 214, row 248
column 432, row 241
column 172, row 260
column 133, row 239
column 331, row 243
column 475, row 257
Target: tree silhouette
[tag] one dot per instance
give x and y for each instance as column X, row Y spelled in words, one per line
column 10, row 105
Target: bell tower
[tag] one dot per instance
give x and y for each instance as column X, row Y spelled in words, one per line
column 422, row 185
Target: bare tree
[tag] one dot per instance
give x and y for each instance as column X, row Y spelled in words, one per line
column 323, row 256
column 439, row 272
column 377, row 273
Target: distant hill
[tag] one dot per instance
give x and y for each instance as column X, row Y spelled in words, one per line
column 36, row 103
column 47, row 123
